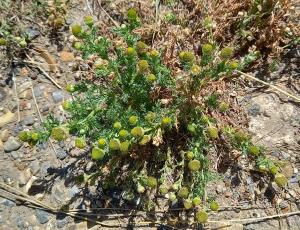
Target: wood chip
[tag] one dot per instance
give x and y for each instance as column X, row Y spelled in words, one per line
column 67, row 56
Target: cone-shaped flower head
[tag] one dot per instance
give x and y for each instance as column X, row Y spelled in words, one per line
column 66, row 105
column 2, row 42
column 151, row 78
column 137, row 132
column 196, row 201
column 183, row 192
column 166, row 121
column 141, row 47
column 77, row 45
column 195, row 69
column 140, row 188
column 34, row 136
column 226, row 53
column 23, row 136
column 253, row 150
column 214, row 206
column 213, row 132
column 88, row 20
column 123, row 134
column 143, row 66
column 80, row 143
column 194, row 165
column 97, row 153
column 114, row 144
column 145, row 140
column 101, row 142
column 131, row 14
column 223, row 106
column 192, row 128
column 59, row 133
column 76, row 30
column 233, row 64
column 124, row 146
column 188, row 204
column 117, row 125
column 201, row 217
column 186, row 56
column 273, row 169
column 163, row 189
column 154, row 53
column 133, row 120
column 190, row 155
column 152, row 182
column 207, row 49
column 130, row 51
column 280, row 180
column 150, row 117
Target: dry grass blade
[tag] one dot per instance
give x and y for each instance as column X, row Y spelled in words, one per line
column 270, row 85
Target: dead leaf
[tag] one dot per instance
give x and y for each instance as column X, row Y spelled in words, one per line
column 6, row 118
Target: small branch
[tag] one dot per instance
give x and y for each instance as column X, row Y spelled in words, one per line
column 270, row 85
column 17, row 97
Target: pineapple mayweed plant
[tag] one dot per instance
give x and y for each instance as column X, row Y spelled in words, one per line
column 147, row 133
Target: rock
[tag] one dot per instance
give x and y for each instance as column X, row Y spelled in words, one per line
column 7, row 118
column 11, row 144
column 61, row 154
column 15, row 155
column 228, row 194
column 42, row 216
column 32, row 33
column 63, row 220
column 89, row 166
column 2, row 95
column 67, row 56
column 73, row 191
column 283, row 204
column 220, row 189
column 38, row 90
column 34, row 167
column 288, row 171
column 58, row 193
column 57, row 96
column 24, row 177
column 4, row 135
column 7, row 203
column 254, row 110
column 29, row 120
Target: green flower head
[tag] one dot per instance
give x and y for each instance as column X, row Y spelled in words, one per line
column 196, row 201
column 132, row 14
column 208, row 22
column 123, row 134
column 190, row 155
column 133, row 120
column 192, row 128
column 23, row 136
column 137, row 132
column 207, row 49
column 163, row 189
column 186, row 56
column 281, row 180
column 233, row 64
column 226, row 53
column 97, row 153
column 66, row 105
column 183, row 192
column 89, row 21
column 141, row 47
column 195, row 70
column 143, row 66
column 188, row 204
column 172, row 196
column 145, row 140
column 151, row 182
column 130, row 51
column 273, row 169
column 223, row 107
column 194, row 165
column 80, row 143
column 166, row 121
column 76, row 30
column 253, row 150
column 117, row 125
column 2, row 42
column 77, row 45
column 70, row 88
column 214, row 206
column 59, row 133
column 201, row 217
column 114, row 144
column 213, row 132
column 102, row 142
column 150, row 117
column 154, row 53
column 124, row 146
column 34, row 136
column 151, row 78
